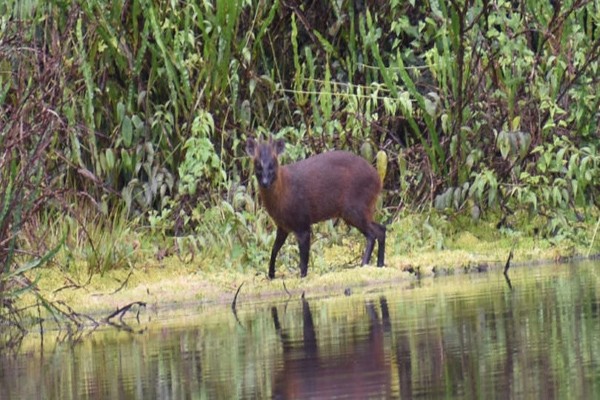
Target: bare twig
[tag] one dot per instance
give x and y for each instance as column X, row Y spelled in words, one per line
column 286, row 289
column 74, row 316
column 507, row 265
column 124, row 282
column 234, row 302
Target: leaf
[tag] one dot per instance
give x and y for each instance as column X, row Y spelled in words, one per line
column 120, row 111
column 556, row 195
column 406, row 103
column 137, row 123
column 503, row 144
column 439, row 202
column 524, row 143
column 565, row 194
column 430, row 107
column 110, row 159
column 127, row 131
column 457, row 198
column 366, row 151
column 126, row 160
column 532, row 198
column 560, row 155
column 516, row 123
column 382, row 161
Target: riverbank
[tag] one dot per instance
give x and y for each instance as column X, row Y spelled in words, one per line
column 171, row 282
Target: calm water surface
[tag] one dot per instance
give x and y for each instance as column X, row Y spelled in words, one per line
column 461, row 336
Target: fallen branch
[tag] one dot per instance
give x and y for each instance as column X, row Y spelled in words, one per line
column 121, row 311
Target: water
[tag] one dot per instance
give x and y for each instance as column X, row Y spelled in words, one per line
column 462, row 336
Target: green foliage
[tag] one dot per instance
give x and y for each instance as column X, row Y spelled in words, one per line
column 488, row 104
column 201, row 163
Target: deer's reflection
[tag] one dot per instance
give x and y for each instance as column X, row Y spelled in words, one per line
column 356, row 366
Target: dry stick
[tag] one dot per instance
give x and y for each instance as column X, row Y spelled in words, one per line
column 116, row 290
column 124, row 282
column 286, row 289
column 507, row 265
column 74, row 316
column 41, row 321
column 71, row 285
column 233, row 303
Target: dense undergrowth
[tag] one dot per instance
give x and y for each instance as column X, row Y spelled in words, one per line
column 122, row 123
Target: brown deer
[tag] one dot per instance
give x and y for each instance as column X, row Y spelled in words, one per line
column 335, row 184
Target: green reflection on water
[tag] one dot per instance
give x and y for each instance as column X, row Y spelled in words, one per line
column 463, row 336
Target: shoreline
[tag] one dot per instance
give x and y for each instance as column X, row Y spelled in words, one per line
column 170, row 283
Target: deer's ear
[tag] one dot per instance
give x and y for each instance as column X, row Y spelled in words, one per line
column 251, row 147
column 279, row 146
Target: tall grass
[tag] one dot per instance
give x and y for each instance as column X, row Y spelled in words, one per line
column 23, row 193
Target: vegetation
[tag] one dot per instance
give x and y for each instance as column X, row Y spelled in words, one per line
column 127, row 119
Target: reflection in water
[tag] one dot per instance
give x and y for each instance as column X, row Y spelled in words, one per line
column 360, row 368
column 454, row 337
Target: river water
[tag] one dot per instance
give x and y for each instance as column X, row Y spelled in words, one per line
column 459, row 336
